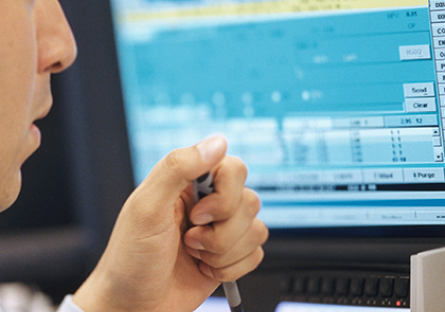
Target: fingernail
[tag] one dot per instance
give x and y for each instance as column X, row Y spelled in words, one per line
column 205, row 269
column 193, row 252
column 194, row 244
column 208, row 146
column 202, row 219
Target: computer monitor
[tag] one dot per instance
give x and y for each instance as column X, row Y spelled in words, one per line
column 336, row 107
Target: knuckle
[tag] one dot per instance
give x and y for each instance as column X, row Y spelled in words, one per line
column 262, row 232
column 217, row 242
column 252, row 201
column 241, row 168
column 224, row 275
column 173, row 161
column 219, row 246
column 258, row 257
column 226, row 209
column 237, row 166
column 260, row 254
column 214, row 260
column 234, row 272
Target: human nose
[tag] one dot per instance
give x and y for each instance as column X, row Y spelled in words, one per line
column 56, row 46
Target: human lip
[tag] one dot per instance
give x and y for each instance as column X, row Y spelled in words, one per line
column 35, row 131
column 45, row 111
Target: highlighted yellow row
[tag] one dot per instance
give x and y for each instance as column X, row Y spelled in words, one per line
column 268, row 7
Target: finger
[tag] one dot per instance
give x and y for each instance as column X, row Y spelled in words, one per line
column 221, row 236
column 235, row 271
column 175, row 171
column 255, row 236
column 228, row 179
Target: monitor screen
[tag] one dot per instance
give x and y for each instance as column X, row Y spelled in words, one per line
column 214, row 304
column 335, row 106
column 308, row 307
column 218, row 304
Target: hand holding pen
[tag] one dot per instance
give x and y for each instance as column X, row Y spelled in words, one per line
column 231, row 235
column 202, row 187
column 167, row 253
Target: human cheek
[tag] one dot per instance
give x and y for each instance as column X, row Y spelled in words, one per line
column 17, row 82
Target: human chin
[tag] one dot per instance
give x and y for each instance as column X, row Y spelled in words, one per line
column 11, row 177
column 10, row 189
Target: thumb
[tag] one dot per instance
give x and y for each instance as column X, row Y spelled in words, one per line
column 181, row 166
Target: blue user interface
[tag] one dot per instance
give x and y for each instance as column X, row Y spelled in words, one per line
column 336, row 110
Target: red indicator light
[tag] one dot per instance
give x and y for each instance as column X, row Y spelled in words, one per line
column 398, row 303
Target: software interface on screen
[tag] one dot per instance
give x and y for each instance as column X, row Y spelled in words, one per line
column 304, row 307
column 215, row 304
column 335, row 105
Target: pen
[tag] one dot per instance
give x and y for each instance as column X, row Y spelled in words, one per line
column 202, row 187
